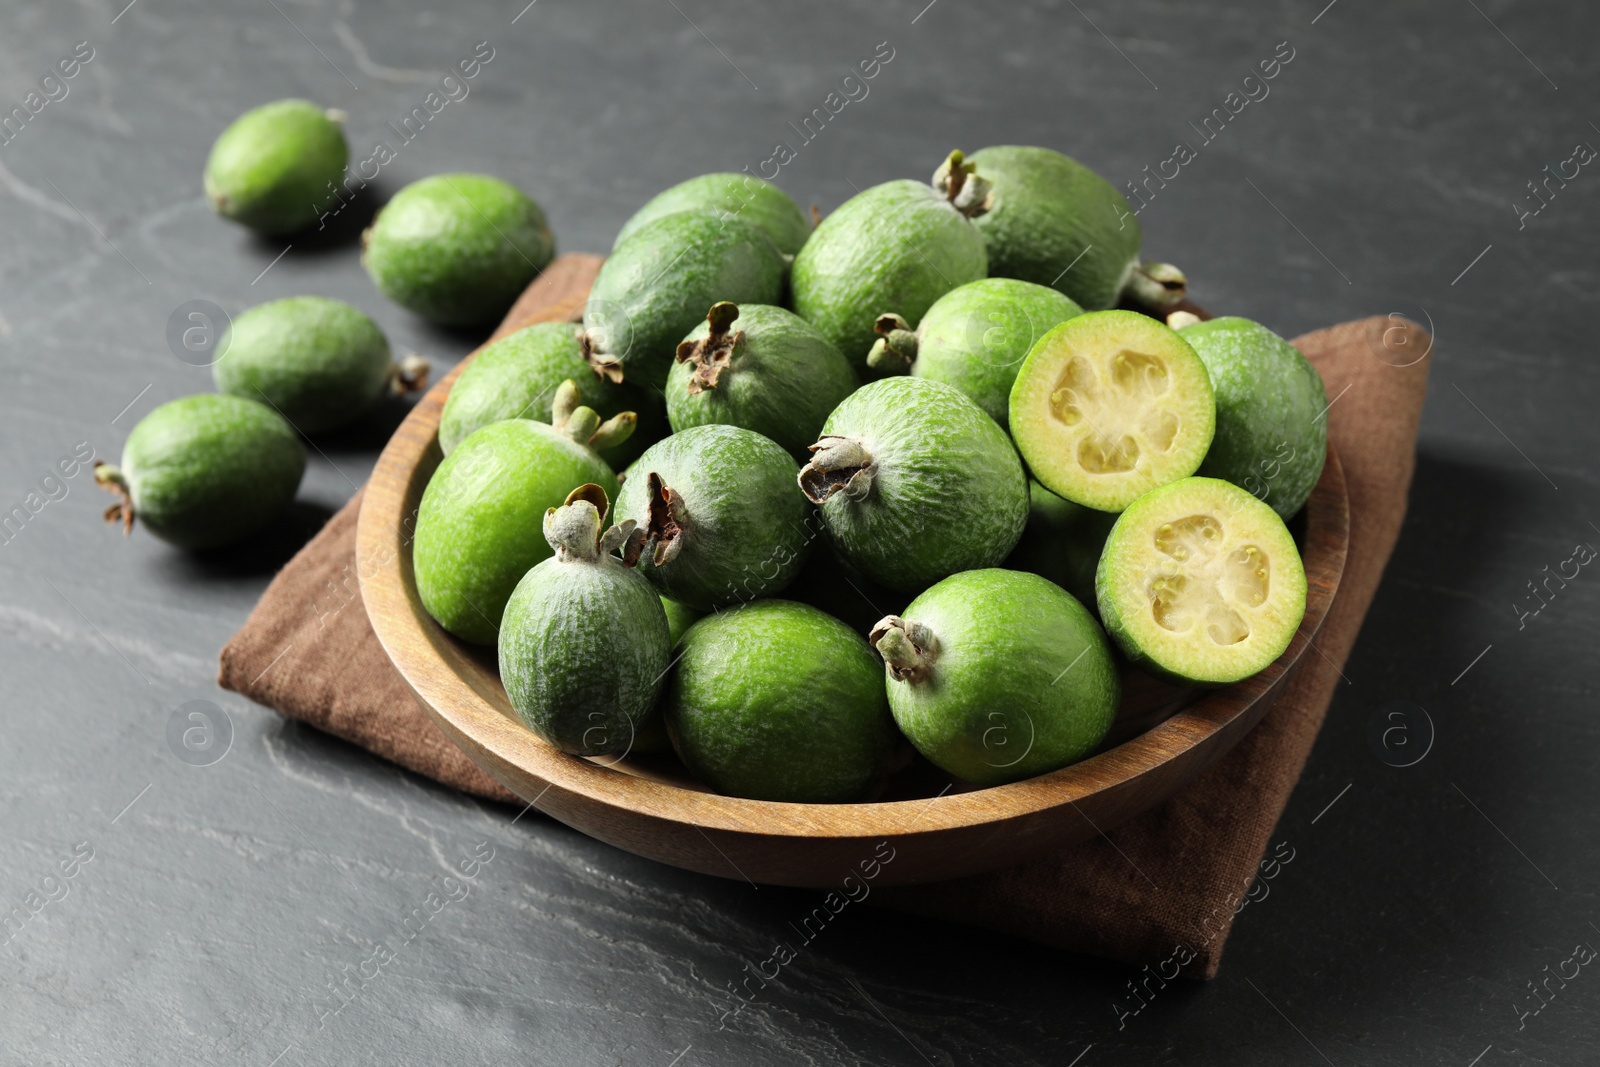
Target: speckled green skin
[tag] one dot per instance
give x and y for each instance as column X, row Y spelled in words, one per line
column 277, row 167
column 206, row 471
column 659, row 282
column 734, row 195
column 679, row 617
column 457, row 249
column 1022, row 681
column 976, row 336
column 517, row 377
column 746, row 531
column 949, row 493
column 782, row 381
column 1272, row 426
column 1062, row 542
column 777, row 701
column 479, row 527
column 319, row 362
column 895, row 247
column 1048, row 208
column 584, row 646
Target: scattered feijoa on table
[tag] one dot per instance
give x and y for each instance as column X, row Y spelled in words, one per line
column 1055, row 222
column 1201, row 583
column 998, row 675
column 1272, row 426
column 760, row 367
column 732, row 195
column 318, row 362
column 657, row 285
column 1110, row 405
column 974, row 337
column 457, row 249
column 1062, row 542
column 774, row 700
column 722, row 521
column 915, row 483
column 896, row 247
column 480, row 523
column 205, row 471
column 584, row 641
column 278, row 166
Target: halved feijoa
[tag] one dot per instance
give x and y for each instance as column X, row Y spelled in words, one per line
column 1110, row 405
column 1200, row 582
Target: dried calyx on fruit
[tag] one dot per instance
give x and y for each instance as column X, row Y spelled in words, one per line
column 584, row 425
column 908, row 648
column 709, row 356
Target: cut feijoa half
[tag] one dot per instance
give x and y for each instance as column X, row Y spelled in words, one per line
column 1201, row 583
column 1111, row 405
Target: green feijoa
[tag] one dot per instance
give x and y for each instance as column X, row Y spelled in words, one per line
column 896, row 247
column 760, row 367
column 731, row 195
column 1272, row 427
column 1201, row 583
column 319, row 362
column 722, row 521
column 998, row 675
column 775, row 700
column 1055, row 222
column 584, row 642
column 479, row 523
column 974, row 337
column 457, row 249
column 278, row 166
column 1062, row 542
column 657, row 284
column 916, row 483
column 679, row 617
column 205, row 471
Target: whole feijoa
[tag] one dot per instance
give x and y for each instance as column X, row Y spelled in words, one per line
column 679, row 617
column 205, row 471
column 1062, row 542
column 517, row 377
column 1058, row 223
column 657, row 284
column 722, row 521
column 774, row 700
column 278, row 166
column 760, row 367
column 1272, row 425
column 998, row 675
column 974, row 337
column 916, row 483
column 479, row 526
column 730, row 195
column 318, row 362
column 896, row 247
column 584, row 642
column 457, row 249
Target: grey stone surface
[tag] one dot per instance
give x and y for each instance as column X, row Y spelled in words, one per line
column 223, row 901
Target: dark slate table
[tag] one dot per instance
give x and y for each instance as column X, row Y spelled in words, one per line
column 212, row 914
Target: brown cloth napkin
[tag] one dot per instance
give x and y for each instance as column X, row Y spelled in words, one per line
column 1164, row 886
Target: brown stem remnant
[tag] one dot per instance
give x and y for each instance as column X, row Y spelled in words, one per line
column 713, row 352
column 112, row 480
column 410, row 375
column 958, row 179
column 1155, row 286
column 908, row 648
column 604, row 366
column 577, row 530
column 838, row 463
column 895, row 350
column 665, row 521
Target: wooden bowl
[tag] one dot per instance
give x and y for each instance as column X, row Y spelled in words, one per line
column 654, row 810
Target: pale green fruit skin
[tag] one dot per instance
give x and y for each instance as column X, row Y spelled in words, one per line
column 976, row 336
column 895, row 247
column 658, row 283
column 457, row 249
column 319, row 362
column 277, row 167
column 1048, row 209
column 1062, row 542
column 1022, row 682
column 679, row 617
column 775, row 700
column 584, row 646
column 1272, row 426
column 949, row 493
column 783, row 380
column 730, row 195
column 480, row 523
column 748, row 529
column 206, row 471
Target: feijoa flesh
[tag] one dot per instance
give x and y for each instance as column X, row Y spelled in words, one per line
column 731, row 195
column 277, row 167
